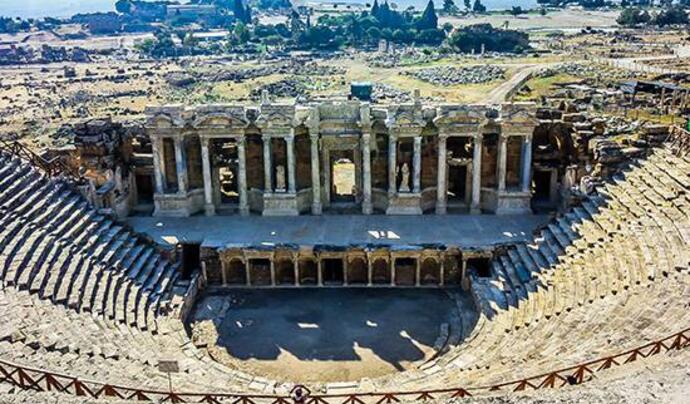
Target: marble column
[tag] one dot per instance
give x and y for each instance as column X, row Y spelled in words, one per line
column 242, row 176
column 181, row 163
column 476, row 175
column 442, row 271
column 392, row 166
column 209, row 207
column 501, row 166
column 290, row 143
column 268, row 169
column 158, row 164
column 367, row 207
column 417, row 165
column 526, row 172
column 315, row 176
column 369, row 272
column 441, row 183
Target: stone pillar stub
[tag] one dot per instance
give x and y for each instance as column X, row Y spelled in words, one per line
column 158, row 164
column 392, row 165
column 268, row 169
column 315, row 174
column 209, row 207
column 367, row 207
column 242, row 180
column 290, row 144
column 417, row 165
column 501, row 165
column 181, row 163
column 526, row 172
column 476, row 175
column 441, row 183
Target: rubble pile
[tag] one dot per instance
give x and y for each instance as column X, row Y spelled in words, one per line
column 21, row 55
column 293, row 67
column 449, row 75
column 286, row 88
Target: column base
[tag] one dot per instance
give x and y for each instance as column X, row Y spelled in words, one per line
column 367, row 208
column 405, row 204
column 209, row 209
column 244, row 210
column 441, row 209
column 178, row 204
column 316, row 209
column 475, row 210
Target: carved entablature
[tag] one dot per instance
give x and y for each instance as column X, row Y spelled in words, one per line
column 164, row 121
column 405, row 120
column 276, row 119
column 519, row 119
column 462, row 120
column 220, row 121
column 339, row 118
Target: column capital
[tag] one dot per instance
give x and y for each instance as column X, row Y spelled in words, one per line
column 266, row 137
column 478, row 137
column 366, row 135
column 204, row 140
column 442, row 136
column 290, row 138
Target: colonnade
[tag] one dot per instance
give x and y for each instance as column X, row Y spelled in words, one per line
column 404, row 184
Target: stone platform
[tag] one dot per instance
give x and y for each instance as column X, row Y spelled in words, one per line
column 462, row 231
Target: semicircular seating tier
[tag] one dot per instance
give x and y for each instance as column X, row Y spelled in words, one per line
column 83, row 295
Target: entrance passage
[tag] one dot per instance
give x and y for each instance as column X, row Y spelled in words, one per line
column 457, row 183
column 325, row 335
column 344, row 188
column 333, row 271
column 190, row 259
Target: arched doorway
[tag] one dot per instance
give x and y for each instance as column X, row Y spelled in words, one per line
column 308, row 272
column 430, row 272
column 285, row 272
column 405, row 271
column 380, row 272
column 357, row 271
column 260, row 271
column 236, row 273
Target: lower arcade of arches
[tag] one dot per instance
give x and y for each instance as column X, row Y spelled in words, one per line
column 408, row 267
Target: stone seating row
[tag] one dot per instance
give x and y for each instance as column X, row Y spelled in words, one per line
column 52, row 243
column 37, row 333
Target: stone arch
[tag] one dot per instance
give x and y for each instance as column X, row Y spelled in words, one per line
column 357, row 271
column 285, row 272
column 405, row 271
column 430, row 272
column 308, row 271
column 260, row 271
column 380, row 272
column 236, row 272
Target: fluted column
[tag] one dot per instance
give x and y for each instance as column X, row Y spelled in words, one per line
column 417, row 165
column 526, row 174
column 290, row 143
column 181, row 163
column 158, row 164
column 209, row 207
column 441, row 183
column 502, row 160
column 315, row 176
column 392, row 165
column 268, row 169
column 476, row 175
column 242, row 180
column 367, row 207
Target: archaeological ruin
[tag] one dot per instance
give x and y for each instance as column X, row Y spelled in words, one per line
column 139, row 247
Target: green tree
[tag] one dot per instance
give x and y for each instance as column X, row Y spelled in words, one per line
column 428, row 20
column 674, row 15
column 631, row 17
column 449, row 7
column 123, row 6
column 478, row 7
column 468, row 4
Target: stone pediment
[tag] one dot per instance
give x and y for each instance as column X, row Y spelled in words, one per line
column 519, row 113
column 227, row 118
column 408, row 116
column 450, row 115
column 164, row 121
column 282, row 116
